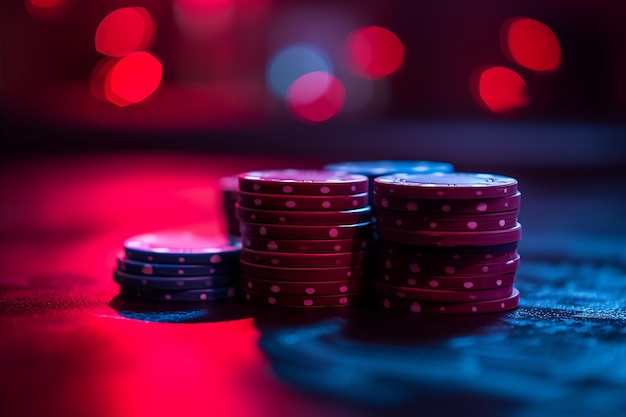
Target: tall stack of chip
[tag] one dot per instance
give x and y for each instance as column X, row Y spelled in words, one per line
column 305, row 235
column 178, row 267
column 447, row 242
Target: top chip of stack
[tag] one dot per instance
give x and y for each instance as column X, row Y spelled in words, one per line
column 373, row 169
column 178, row 266
column 304, row 235
column 447, row 242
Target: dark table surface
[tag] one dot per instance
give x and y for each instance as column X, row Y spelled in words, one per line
column 70, row 346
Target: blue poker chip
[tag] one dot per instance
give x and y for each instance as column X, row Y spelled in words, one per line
column 182, row 248
column 373, row 169
column 206, row 294
column 173, row 283
column 173, row 270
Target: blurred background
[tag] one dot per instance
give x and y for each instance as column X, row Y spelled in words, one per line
column 528, row 82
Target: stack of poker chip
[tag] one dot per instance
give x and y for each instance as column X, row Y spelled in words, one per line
column 305, row 235
column 229, row 187
column 178, row 267
column 447, row 242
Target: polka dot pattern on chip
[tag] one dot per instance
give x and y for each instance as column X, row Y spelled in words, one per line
column 473, row 307
column 302, row 182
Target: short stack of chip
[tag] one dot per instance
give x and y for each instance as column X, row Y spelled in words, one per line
column 178, row 267
column 447, row 242
column 305, row 235
column 229, row 186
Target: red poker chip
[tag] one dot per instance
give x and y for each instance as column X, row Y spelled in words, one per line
column 468, row 206
column 350, row 286
column 458, row 283
column 252, row 215
column 440, row 295
column 424, row 267
column 448, row 185
column 276, row 231
column 448, row 222
column 302, row 182
column 303, row 274
column 492, row 306
column 304, row 203
column 305, row 246
column 313, row 301
column 303, row 260
column 460, row 254
column 450, row 239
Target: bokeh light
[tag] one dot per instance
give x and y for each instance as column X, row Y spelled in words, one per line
column 530, row 44
column 316, row 97
column 45, row 4
column 374, row 52
column 45, row 8
column 292, row 62
column 203, row 18
column 98, row 79
column 132, row 79
column 125, row 30
column 501, row 90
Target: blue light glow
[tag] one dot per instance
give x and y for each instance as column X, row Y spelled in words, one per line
column 292, row 62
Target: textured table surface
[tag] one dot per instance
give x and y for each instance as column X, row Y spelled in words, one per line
column 70, row 346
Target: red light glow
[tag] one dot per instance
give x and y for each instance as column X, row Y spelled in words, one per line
column 315, row 97
column 374, row 52
column 133, row 78
column 530, row 44
column 45, row 4
column 124, row 31
column 501, row 89
column 45, row 8
column 99, row 76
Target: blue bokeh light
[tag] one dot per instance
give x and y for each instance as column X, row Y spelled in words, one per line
column 292, row 62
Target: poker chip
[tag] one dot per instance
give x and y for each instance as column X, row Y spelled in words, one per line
column 305, row 246
column 318, row 218
column 344, row 231
column 174, row 282
column 389, row 263
column 461, row 254
column 491, row 306
column 182, row 248
column 312, row 301
column 451, row 185
column 206, row 294
column 308, row 260
column 447, row 282
column 300, row 202
column 378, row 168
column 443, row 206
column 172, row 270
column 489, row 221
column 302, row 182
column 350, row 286
column 322, row 274
column 450, row 238
column 441, row 295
